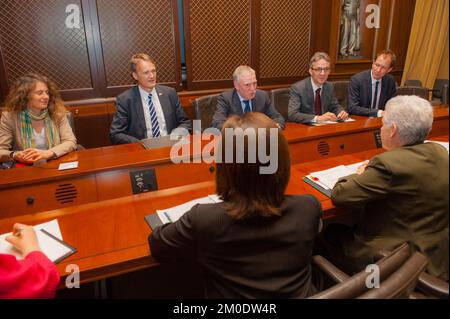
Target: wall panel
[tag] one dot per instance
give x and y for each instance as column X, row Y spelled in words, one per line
column 34, row 38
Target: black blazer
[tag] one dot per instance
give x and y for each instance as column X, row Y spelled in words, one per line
column 228, row 103
column 128, row 124
column 251, row 258
column 360, row 93
column 301, row 101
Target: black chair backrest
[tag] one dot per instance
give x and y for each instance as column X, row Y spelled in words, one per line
column 437, row 88
column 280, row 99
column 413, row 90
column 205, row 107
column 413, row 83
column 341, row 92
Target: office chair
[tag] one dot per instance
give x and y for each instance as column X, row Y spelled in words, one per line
column 71, row 121
column 437, row 88
column 205, row 107
column 399, row 272
column 427, row 286
column 280, row 99
column 340, row 89
column 413, row 83
column 413, row 90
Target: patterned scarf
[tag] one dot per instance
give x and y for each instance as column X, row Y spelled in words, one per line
column 26, row 129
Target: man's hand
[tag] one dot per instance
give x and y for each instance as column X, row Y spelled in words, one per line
column 326, row 117
column 342, row 116
column 362, row 168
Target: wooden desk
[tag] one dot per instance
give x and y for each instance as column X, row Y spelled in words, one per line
column 111, row 236
column 308, row 143
column 104, row 173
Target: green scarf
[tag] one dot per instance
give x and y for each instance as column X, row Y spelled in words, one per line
column 26, row 129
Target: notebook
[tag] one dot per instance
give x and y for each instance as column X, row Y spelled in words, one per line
column 50, row 240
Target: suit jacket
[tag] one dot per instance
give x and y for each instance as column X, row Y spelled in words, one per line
column 301, row 101
column 11, row 140
column 250, row 258
column 128, row 124
column 404, row 196
column 360, row 93
column 228, row 103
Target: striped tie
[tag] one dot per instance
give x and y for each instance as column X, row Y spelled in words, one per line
column 153, row 117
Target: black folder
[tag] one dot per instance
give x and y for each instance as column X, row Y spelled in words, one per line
column 326, row 192
column 153, row 221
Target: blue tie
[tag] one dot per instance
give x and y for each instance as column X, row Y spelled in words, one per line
column 247, row 106
column 153, row 117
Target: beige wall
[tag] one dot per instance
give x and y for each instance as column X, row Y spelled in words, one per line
column 443, row 69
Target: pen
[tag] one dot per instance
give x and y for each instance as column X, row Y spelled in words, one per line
column 168, row 217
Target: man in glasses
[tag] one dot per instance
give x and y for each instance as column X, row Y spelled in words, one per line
column 369, row 90
column 312, row 100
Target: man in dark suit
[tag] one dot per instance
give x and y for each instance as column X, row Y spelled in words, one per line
column 147, row 110
column 244, row 98
column 312, row 99
column 403, row 193
column 369, row 90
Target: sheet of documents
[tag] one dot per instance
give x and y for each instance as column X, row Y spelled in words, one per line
column 332, row 122
column 329, row 177
column 174, row 213
column 52, row 248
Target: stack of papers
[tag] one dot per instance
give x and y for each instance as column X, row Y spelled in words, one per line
column 325, row 180
column 332, row 122
column 50, row 240
column 171, row 215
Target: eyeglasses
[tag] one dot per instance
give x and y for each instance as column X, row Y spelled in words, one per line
column 320, row 70
column 382, row 67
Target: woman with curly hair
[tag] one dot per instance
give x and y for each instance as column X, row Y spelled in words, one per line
column 34, row 126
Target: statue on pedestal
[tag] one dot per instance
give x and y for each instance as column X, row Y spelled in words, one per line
column 350, row 37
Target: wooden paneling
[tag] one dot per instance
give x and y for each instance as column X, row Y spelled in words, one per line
column 34, row 37
column 275, row 37
column 218, row 39
column 133, row 26
column 50, row 195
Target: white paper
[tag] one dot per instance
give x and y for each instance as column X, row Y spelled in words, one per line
column 50, row 247
column 329, row 177
column 68, row 165
column 174, row 213
column 332, row 122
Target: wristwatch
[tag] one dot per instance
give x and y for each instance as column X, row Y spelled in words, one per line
column 11, row 155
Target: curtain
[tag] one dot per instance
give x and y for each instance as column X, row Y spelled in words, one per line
column 427, row 42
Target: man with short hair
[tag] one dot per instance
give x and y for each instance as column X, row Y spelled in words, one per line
column 147, row 110
column 403, row 193
column 312, row 100
column 245, row 97
column 369, row 90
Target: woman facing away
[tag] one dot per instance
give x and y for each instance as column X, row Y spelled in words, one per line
column 258, row 242
column 34, row 126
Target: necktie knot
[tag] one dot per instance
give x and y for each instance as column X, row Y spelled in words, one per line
column 318, row 91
